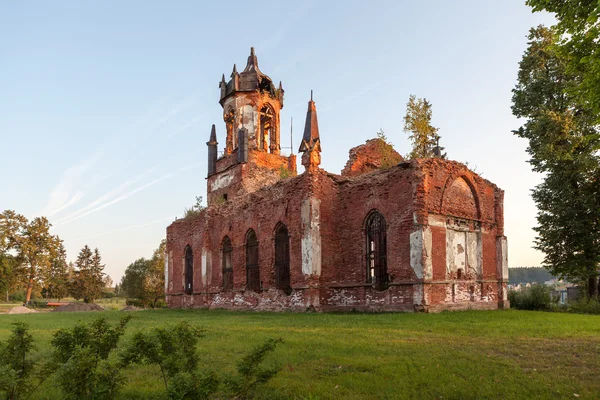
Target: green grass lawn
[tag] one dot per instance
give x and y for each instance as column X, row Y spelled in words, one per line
column 460, row 355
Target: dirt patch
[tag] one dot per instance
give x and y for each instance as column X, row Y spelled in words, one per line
column 131, row 308
column 21, row 310
column 78, row 307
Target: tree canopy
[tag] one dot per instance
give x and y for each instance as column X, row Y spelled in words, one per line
column 564, row 145
column 417, row 123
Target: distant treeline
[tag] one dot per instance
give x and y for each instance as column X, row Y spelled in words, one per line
column 528, row 275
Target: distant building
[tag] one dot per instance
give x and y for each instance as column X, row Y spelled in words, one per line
column 424, row 235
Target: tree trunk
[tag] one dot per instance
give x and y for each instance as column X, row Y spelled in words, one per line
column 592, row 287
column 29, row 289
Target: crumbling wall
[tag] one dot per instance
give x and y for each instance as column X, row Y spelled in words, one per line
column 375, row 154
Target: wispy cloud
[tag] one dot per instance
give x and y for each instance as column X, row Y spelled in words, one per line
column 68, row 192
column 64, row 194
column 127, row 228
column 109, row 198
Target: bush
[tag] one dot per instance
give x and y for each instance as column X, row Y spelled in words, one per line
column 583, row 306
column 81, row 359
column 135, row 302
column 536, row 297
column 18, row 296
column 15, row 366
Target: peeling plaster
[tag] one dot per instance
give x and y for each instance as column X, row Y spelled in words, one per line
column 221, row 181
column 311, row 237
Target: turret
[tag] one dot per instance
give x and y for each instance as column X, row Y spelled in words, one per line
column 212, row 151
column 310, row 147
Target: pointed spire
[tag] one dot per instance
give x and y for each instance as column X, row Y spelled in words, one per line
column 280, row 87
column 234, row 72
column 213, row 135
column 252, row 62
column 310, row 139
column 223, row 79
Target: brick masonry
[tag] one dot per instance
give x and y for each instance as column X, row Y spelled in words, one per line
column 445, row 247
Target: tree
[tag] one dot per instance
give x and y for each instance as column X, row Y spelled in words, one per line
column 11, row 225
column 132, row 282
column 88, row 282
column 578, row 43
column 154, row 281
column 36, row 247
column 564, row 144
column 417, row 123
column 56, row 282
column 145, row 279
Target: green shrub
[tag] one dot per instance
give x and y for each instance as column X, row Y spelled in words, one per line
column 251, row 375
column 174, row 350
column 536, row 297
column 18, row 297
column 583, row 306
column 81, row 359
column 15, row 365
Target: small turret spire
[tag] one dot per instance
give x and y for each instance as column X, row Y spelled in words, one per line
column 311, row 141
column 234, row 72
column 252, row 62
column 311, row 138
column 212, row 151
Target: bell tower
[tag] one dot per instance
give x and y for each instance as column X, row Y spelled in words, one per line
column 251, row 158
column 250, row 100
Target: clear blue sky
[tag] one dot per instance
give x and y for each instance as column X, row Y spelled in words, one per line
column 106, row 107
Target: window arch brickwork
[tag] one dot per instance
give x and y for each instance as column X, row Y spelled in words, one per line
column 189, row 271
column 227, row 264
column 252, row 268
column 282, row 259
column 376, row 243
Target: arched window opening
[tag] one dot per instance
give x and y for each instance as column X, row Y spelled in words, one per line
column 282, row 259
column 376, row 249
column 189, row 271
column 266, row 129
column 231, row 138
column 227, row 264
column 252, row 269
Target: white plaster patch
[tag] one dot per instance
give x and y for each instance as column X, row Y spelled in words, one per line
column 416, row 252
column 436, row 220
column 474, row 255
column 221, row 181
column 311, row 236
column 455, row 250
column 204, row 266
column 427, row 253
column 167, row 272
column 503, row 256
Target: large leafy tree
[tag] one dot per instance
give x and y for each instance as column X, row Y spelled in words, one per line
column 36, row 248
column 11, row 225
column 145, row 279
column 417, row 123
column 564, row 145
column 578, row 30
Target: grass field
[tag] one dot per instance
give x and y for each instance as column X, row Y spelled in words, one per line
column 461, row 355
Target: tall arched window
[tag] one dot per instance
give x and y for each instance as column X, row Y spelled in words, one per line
column 282, row 259
column 189, row 271
column 376, row 249
column 252, row 269
column 227, row 264
column 266, row 129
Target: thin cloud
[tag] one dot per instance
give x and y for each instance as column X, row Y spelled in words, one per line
column 107, row 196
column 118, row 199
column 64, row 194
column 129, row 228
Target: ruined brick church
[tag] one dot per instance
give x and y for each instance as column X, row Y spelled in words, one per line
column 420, row 235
